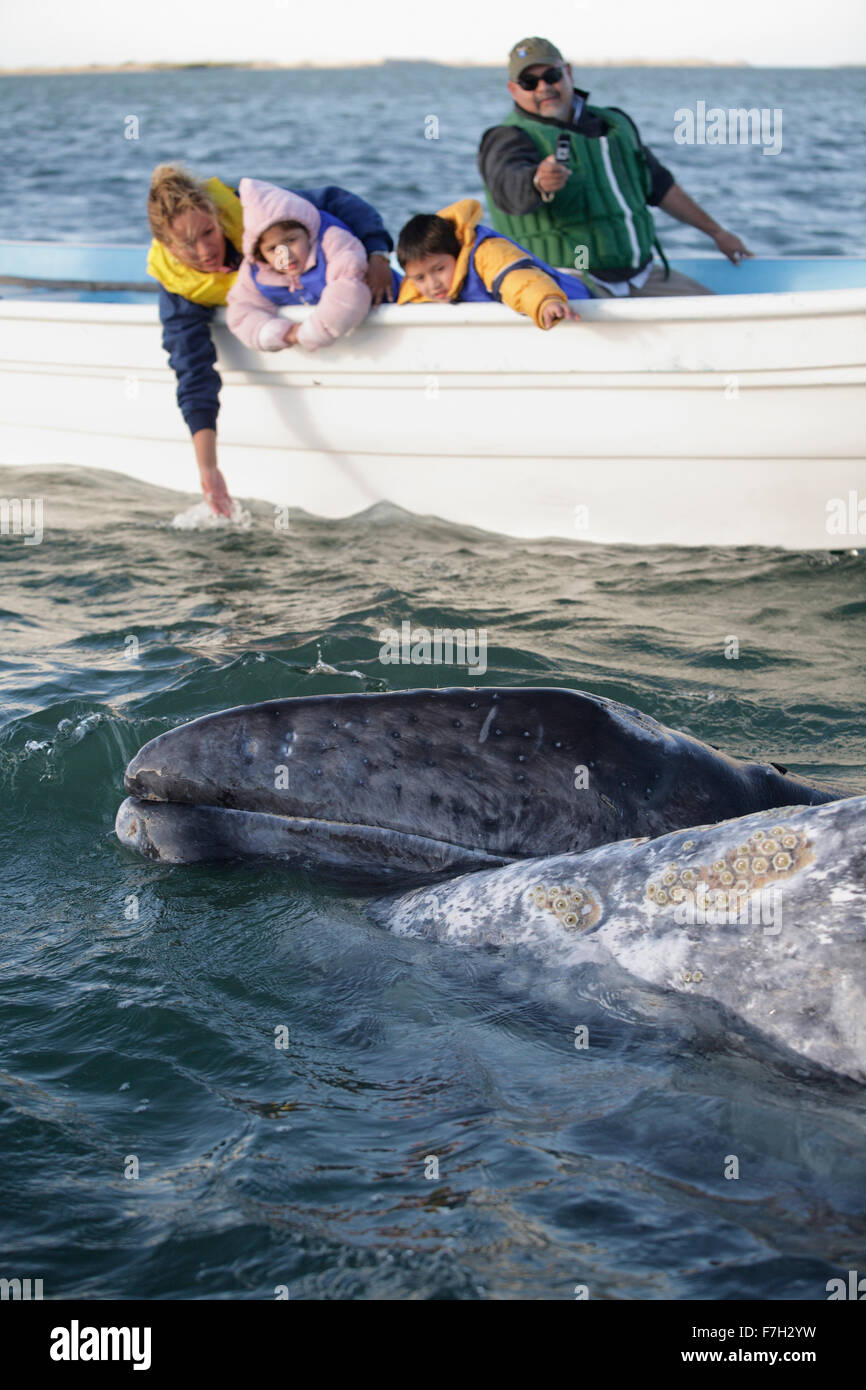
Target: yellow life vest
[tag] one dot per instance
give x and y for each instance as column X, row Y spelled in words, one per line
column 198, row 285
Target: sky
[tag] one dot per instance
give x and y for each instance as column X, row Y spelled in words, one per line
column 74, row 33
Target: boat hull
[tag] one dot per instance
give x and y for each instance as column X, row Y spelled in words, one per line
column 728, row 420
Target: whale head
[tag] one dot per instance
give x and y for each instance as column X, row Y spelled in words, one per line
column 425, row 783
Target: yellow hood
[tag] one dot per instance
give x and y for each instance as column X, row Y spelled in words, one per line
column 198, row 285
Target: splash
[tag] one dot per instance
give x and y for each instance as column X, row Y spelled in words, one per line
column 199, row 517
column 324, row 668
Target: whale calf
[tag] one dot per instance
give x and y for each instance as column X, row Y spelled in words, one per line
column 414, row 785
column 764, row 914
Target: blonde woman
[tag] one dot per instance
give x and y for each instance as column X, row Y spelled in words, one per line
column 197, row 227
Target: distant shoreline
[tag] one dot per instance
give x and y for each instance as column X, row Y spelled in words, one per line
column 97, row 69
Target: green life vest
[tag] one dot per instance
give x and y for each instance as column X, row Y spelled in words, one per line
column 603, row 205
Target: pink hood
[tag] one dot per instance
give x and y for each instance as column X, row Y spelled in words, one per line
column 341, row 303
column 264, row 204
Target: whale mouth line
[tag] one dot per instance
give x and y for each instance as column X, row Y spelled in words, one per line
column 328, row 823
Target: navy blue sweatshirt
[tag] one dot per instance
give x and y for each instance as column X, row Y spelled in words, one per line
column 186, row 334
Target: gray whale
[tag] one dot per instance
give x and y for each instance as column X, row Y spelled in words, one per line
column 571, row 820
column 415, row 785
column 764, row 914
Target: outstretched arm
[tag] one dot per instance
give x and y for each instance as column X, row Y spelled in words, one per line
column 213, row 484
column 510, row 275
column 678, row 204
column 186, row 337
column 508, row 162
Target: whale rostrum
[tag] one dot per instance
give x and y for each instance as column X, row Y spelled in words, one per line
column 420, row 784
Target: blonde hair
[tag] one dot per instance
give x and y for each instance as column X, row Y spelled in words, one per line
column 174, row 190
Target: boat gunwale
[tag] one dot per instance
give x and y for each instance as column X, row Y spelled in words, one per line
column 680, row 309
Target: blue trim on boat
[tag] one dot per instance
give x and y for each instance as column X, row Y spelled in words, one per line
column 83, row 270
column 55, row 260
column 775, row 275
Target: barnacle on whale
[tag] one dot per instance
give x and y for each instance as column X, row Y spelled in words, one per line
column 726, row 882
column 573, row 907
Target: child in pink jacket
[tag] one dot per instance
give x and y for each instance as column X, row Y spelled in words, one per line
column 294, row 254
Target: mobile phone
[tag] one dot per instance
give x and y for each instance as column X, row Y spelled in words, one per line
column 562, row 155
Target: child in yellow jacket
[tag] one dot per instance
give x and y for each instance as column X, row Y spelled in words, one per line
column 451, row 256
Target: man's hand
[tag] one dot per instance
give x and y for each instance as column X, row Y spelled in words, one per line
column 731, row 246
column 550, row 175
column 553, row 310
column 216, row 494
column 290, row 337
column 378, row 277
column 678, row 204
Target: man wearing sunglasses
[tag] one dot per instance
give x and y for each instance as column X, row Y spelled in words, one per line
column 574, row 184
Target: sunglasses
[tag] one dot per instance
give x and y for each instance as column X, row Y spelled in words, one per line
column 551, row 77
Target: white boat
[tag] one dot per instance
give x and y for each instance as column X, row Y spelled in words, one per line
column 732, row 419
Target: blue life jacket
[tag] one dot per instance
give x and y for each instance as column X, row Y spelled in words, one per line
column 474, row 288
column 313, row 280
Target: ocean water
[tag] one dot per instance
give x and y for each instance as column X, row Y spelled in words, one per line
column 139, row 1004
column 75, row 175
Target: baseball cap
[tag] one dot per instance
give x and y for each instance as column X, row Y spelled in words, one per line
column 529, row 51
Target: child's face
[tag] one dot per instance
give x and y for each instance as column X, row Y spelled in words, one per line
column 285, row 250
column 432, row 274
